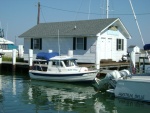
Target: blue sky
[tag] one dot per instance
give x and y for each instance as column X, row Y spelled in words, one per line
column 17, row 16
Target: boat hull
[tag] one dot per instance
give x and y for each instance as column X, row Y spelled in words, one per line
column 63, row 77
column 135, row 89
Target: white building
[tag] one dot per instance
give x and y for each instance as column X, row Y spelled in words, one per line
column 90, row 40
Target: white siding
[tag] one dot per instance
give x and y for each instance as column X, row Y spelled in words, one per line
column 27, row 44
column 116, row 55
column 87, row 56
column 105, row 44
column 66, row 43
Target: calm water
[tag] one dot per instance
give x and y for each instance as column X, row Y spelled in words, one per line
column 19, row 94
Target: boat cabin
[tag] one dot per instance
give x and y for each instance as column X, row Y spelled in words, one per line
column 58, row 63
column 62, row 61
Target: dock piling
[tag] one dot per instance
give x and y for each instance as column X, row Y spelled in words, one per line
column 30, row 58
column 14, row 59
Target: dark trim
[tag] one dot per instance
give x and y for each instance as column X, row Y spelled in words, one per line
column 85, row 43
column 58, row 75
column 31, row 43
column 122, row 44
column 117, row 44
column 74, row 43
column 40, row 43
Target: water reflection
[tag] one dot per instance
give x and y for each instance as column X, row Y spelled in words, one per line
column 63, row 96
column 20, row 94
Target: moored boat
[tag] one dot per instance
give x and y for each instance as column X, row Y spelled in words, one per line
column 123, row 84
column 61, row 68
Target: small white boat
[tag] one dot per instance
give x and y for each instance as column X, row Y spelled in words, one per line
column 128, row 86
column 61, row 68
column 6, row 46
column 135, row 88
column 124, row 84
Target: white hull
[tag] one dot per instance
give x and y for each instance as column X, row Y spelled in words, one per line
column 63, row 77
column 136, row 88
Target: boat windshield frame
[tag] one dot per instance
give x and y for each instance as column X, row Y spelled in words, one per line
column 70, row 63
column 63, row 63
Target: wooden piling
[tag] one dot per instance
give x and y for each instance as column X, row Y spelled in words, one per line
column 30, row 58
column 14, row 60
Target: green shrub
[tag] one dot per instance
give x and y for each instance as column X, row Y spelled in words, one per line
column 4, row 58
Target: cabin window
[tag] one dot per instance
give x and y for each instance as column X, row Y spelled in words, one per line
column 120, row 44
column 69, row 63
column 3, row 46
column 57, row 64
column 79, row 43
column 36, row 43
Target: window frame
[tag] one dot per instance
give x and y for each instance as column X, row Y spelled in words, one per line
column 120, row 44
column 78, row 45
column 36, row 43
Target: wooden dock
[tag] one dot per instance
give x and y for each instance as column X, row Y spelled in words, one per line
column 24, row 66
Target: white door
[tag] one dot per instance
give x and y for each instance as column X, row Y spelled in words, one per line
column 109, row 48
column 103, row 48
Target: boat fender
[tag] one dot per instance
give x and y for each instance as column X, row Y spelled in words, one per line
column 83, row 69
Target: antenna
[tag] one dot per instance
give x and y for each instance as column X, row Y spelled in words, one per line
column 137, row 22
column 148, row 56
column 38, row 16
column 107, row 6
column 89, row 10
column 58, row 43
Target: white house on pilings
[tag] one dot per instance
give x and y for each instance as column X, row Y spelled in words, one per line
column 90, row 40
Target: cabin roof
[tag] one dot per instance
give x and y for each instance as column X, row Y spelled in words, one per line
column 70, row 28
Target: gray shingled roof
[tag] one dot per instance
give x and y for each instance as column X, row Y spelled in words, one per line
column 83, row 28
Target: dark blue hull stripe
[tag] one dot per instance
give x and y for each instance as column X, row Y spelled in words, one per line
column 58, row 75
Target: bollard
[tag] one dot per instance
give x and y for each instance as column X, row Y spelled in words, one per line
column 30, row 58
column 20, row 51
column 14, row 60
column 50, row 51
column 70, row 53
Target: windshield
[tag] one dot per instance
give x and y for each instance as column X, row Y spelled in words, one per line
column 69, row 63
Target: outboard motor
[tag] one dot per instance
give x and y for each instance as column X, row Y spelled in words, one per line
column 108, row 82
column 125, row 73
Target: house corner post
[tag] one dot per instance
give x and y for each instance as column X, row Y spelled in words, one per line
column 97, row 54
column 30, row 58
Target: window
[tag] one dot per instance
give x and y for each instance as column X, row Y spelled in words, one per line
column 69, row 63
column 4, row 46
column 79, row 43
column 36, row 43
column 57, row 64
column 120, row 44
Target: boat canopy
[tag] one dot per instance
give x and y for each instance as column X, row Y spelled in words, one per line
column 46, row 56
column 147, row 47
column 60, row 58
